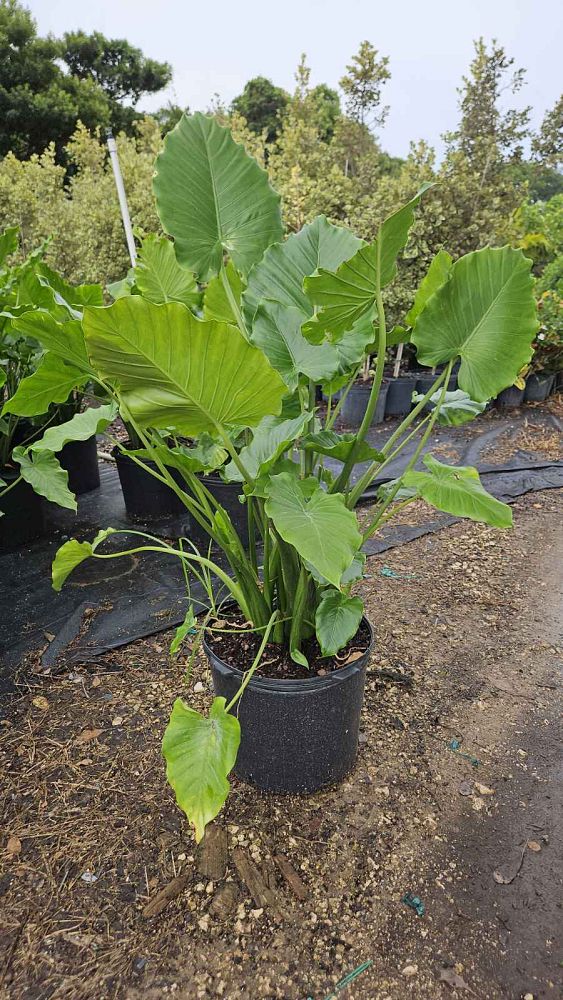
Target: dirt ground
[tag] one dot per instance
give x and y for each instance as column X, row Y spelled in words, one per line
column 91, row 833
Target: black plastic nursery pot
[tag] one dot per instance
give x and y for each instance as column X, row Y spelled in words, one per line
column 538, row 387
column 80, row 459
column 22, row 513
column 399, row 395
column 226, row 494
column 354, row 406
column 510, row 398
column 426, row 381
column 296, row 735
column 145, row 496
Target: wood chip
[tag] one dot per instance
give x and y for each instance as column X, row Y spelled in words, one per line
column 224, row 901
column 451, row 977
column 159, row 902
column 86, row 735
column 14, row 845
column 534, row 846
column 293, row 880
column 254, row 881
column 40, row 702
column 211, row 860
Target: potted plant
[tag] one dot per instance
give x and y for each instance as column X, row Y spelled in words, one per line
column 287, row 639
column 548, row 348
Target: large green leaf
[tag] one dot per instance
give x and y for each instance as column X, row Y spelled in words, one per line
column 216, row 304
column 213, row 197
column 485, row 314
column 45, row 474
column 71, row 554
column 271, row 438
column 173, row 370
column 277, row 331
column 52, row 382
column 351, row 290
column 66, row 340
column 317, row 524
column 436, row 276
column 457, row 407
column 66, row 294
column 337, row 620
column 339, row 446
column 159, row 276
column 80, row 427
column 280, row 273
column 458, row 490
column 200, row 752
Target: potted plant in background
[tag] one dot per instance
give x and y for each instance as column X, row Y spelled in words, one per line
column 548, row 353
column 287, row 642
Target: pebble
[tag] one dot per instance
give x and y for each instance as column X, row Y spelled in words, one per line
column 410, row 970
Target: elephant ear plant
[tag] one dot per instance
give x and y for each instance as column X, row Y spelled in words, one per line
column 281, row 317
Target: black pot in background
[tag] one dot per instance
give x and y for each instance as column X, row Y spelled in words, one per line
column 426, row 381
column 510, row 398
column 558, row 381
column 354, row 406
column 296, row 735
column 538, row 387
column 146, row 497
column 22, row 511
column 226, row 494
column 80, row 459
column 399, row 395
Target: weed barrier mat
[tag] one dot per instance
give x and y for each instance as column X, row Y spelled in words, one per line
column 105, row 605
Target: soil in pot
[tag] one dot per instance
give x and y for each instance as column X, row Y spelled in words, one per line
column 538, row 387
column 146, row 497
column 510, row 398
column 226, row 494
column 22, row 513
column 399, row 395
column 299, row 727
column 80, row 459
column 354, row 406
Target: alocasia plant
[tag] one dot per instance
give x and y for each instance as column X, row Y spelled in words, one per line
column 278, row 318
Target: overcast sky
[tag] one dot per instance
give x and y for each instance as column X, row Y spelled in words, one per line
column 216, row 47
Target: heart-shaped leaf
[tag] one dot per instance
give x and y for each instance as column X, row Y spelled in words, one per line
column 80, row 427
column 458, row 490
column 339, row 446
column 486, row 315
column 212, row 197
column 159, row 276
column 337, row 620
column 170, row 369
column 457, row 407
column 52, row 382
column 45, row 474
column 72, row 553
column 200, row 752
column 271, row 438
column 436, row 276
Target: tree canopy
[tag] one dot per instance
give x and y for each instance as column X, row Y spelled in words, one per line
column 41, row 103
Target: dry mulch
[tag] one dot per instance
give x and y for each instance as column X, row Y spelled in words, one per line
column 104, row 895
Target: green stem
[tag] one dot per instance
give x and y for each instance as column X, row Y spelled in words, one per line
column 233, row 303
column 10, row 487
column 255, row 662
column 340, row 403
column 365, row 425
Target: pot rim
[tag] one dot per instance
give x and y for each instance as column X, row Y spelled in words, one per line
column 302, row 684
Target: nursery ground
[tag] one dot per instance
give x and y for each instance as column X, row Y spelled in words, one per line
column 91, row 833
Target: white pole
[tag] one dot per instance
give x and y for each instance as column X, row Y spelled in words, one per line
column 398, row 358
column 112, row 148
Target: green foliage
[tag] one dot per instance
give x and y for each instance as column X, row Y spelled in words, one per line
column 200, row 752
column 362, row 85
column 458, row 490
column 262, row 104
column 337, row 619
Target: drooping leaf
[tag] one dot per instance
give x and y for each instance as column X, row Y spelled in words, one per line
column 52, row 382
column 436, row 276
column 355, row 571
column 338, row 446
column 43, row 471
column 173, row 370
column 350, row 291
column 67, row 294
column 337, row 620
column 66, row 340
column 458, row 490
column 159, row 276
column 200, row 752
column 9, row 242
column 213, row 197
column 277, row 331
column 457, row 408
column 279, row 275
column 216, row 304
column 318, row 525
column 205, row 456
column 397, row 335
column 80, row 427
column 71, row 554
column 117, row 289
column 187, row 627
column 271, row 438
column 486, row 315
